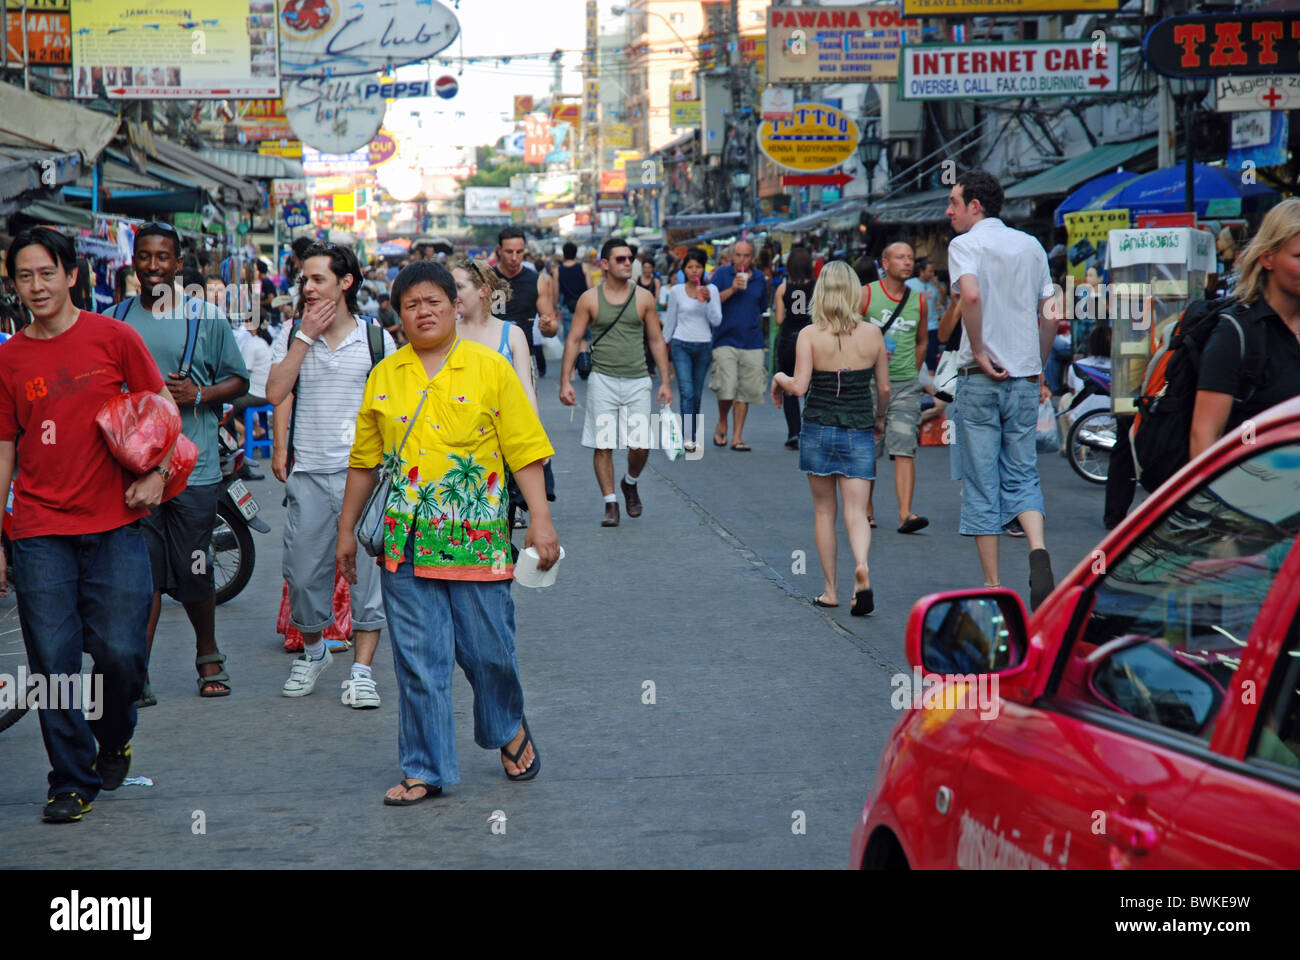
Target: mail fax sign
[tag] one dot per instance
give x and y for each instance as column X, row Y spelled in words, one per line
column 814, row 137
column 988, row 71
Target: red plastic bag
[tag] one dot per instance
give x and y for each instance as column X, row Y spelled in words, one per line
column 184, row 457
column 139, row 428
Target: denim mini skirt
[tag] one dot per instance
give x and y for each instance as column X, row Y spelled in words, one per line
column 837, row 451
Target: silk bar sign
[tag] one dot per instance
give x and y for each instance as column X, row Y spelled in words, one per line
column 1224, row 45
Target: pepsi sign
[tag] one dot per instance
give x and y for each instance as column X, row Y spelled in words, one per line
column 446, row 87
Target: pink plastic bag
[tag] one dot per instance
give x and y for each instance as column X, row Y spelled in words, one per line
column 139, row 428
column 184, row 457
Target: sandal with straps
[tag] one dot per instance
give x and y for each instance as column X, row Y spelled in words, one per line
column 514, row 757
column 221, row 677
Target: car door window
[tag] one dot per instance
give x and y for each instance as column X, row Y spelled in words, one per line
column 1277, row 733
column 1172, row 615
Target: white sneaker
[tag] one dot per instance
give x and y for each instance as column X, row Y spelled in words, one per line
column 304, row 673
column 360, row 693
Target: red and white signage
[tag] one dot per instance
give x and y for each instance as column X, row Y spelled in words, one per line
column 1280, row 92
column 988, row 71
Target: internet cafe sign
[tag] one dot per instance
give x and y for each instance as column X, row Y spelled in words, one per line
column 332, row 38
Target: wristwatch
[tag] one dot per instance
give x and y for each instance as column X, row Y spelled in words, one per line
column 164, row 472
column 304, row 338
column 198, row 396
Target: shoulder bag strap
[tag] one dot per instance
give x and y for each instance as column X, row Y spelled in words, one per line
column 902, row 304
column 616, row 318
column 193, row 312
column 121, row 309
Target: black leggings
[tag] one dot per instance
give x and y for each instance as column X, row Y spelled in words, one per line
column 785, row 362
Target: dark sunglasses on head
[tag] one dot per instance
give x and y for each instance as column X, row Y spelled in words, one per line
column 160, row 225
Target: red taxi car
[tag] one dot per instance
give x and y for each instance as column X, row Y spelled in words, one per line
column 1147, row 714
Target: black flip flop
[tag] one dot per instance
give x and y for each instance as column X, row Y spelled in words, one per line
column 514, row 757
column 871, row 521
column 430, row 791
column 863, row 603
column 742, row 447
column 913, row 524
column 819, row 602
column 717, row 434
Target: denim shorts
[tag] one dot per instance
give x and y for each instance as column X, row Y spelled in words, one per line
column 997, row 422
column 839, row 451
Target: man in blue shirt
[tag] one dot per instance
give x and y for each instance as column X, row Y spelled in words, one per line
column 924, row 284
column 179, row 531
column 739, row 376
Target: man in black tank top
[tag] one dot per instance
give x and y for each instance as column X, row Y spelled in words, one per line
column 531, row 294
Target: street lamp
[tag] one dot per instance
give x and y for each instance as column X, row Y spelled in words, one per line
column 869, row 149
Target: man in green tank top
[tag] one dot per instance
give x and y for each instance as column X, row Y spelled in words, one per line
column 623, row 318
column 905, row 339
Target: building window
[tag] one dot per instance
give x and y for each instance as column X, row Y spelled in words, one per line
column 677, row 75
column 676, row 19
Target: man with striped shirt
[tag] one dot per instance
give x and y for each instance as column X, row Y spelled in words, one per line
column 324, row 367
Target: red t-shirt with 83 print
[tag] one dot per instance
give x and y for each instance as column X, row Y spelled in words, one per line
column 67, row 481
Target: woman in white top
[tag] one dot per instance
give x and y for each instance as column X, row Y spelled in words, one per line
column 693, row 311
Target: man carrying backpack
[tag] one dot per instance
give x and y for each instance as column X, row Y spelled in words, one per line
column 323, row 363
column 195, row 350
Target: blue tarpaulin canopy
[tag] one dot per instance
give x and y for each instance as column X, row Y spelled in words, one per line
column 1219, row 191
column 1093, row 191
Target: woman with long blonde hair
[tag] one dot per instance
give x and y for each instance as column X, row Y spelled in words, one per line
column 836, row 357
column 1265, row 317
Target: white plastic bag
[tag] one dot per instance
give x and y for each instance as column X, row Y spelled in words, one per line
column 553, row 348
column 670, row 433
column 1047, row 435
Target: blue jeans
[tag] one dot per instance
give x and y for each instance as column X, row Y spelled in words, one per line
column 87, row 593
column 997, row 423
column 691, row 361
column 1057, row 363
column 431, row 623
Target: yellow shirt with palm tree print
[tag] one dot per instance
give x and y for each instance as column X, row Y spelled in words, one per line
column 449, row 486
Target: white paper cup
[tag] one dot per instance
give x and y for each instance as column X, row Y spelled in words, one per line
column 527, row 574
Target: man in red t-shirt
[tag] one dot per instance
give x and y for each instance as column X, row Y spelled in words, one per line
column 79, row 555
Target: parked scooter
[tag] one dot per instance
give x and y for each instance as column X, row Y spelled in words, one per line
column 233, row 554
column 1092, row 435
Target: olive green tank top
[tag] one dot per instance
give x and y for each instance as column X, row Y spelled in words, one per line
column 621, row 350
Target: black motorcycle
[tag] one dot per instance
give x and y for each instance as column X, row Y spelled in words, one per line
column 233, row 553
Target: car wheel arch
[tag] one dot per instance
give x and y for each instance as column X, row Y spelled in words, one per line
column 884, row 851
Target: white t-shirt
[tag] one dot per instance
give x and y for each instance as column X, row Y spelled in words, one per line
column 333, row 383
column 257, row 357
column 689, row 320
column 1010, row 267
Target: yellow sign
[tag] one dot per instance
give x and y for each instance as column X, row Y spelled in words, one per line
column 222, row 49
column 815, row 137
column 33, row 5
column 523, row 105
column 1085, row 231
column 345, row 202
column 683, row 106
column 975, row 8
column 618, row 134
column 277, row 148
column 623, row 157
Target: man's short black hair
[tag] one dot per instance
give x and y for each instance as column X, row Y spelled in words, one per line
column 60, row 248
column 510, row 233
column 423, row 271
column 262, row 268
column 921, row 265
column 982, row 186
column 570, row 250
column 343, row 263
column 156, row 229
column 383, row 297
column 612, row 244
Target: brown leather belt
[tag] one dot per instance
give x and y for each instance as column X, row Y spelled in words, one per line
column 967, row 371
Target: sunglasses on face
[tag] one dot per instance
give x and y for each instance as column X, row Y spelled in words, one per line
column 620, row 259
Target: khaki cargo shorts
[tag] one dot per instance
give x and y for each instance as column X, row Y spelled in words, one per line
column 903, row 418
column 738, row 374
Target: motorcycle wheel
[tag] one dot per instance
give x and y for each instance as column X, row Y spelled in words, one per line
column 1089, row 443
column 233, row 554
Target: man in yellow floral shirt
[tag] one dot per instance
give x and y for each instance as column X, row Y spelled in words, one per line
column 447, row 564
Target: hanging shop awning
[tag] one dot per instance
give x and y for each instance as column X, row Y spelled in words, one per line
column 1068, row 174
column 234, row 190
column 47, row 212
column 27, row 174
column 257, row 166
column 32, row 120
column 928, row 206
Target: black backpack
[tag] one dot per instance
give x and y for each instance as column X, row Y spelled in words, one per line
column 1161, row 431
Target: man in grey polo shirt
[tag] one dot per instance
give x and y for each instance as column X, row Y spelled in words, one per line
column 324, row 367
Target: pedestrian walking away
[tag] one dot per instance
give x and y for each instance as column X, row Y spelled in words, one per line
column 1001, row 276
column 196, row 351
column 836, row 358
column 323, row 364
column 442, row 418
column 791, row 312
column 901, row 315
column 739, row 373
column 623, row 318
column 476, row 284
column 694, row 311
column 79, row 554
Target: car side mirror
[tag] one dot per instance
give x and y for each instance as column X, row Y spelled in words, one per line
column 1146, row 680
column 975, row 631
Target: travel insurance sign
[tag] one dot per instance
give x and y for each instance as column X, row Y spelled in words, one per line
column 987, row 71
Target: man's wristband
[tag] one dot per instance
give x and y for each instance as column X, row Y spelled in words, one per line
column 198, row 396
column 304, row 338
